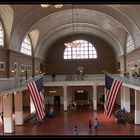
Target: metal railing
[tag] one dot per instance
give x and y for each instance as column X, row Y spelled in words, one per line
column 12, row 84
column 74, row 77
column 132, row 80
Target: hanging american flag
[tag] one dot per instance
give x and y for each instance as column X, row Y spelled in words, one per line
column 37, row 94
column 112, row 88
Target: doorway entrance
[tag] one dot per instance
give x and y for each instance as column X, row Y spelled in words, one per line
column 57, row 101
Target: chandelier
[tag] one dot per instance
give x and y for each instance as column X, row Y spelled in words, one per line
column 73, row 43
column 57, row 6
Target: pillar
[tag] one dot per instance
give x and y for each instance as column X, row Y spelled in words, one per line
column 8, row 114
column 65, row 97
column 18, row 108
column 122, row 97
column 32, row 107
column 137, row 107
column 94, row 97
column 127, row 99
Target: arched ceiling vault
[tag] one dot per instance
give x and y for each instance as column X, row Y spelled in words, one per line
column 110, row 22
column 83, row 28
column 6, row 17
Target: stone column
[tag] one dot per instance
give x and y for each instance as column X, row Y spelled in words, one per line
column 94, row 97
column 122, row 97
column 18, row 108
column 32, row 107
column 8, row 114
column 127, row 99
column 65, row 97
column 137, row 107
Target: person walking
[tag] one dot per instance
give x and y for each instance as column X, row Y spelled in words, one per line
column 75, row 130
column 96, row 124
column 90, row 125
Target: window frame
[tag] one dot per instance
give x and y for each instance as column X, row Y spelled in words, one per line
column 2, row 63
column 86, row 51
column 1, row 37
column 26, row 46
column 130, row 45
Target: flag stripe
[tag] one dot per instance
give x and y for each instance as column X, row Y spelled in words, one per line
column 112, row 88
column 37, row 95
column 36, row 101
column 111, row 95
column 39, row 102
column 113, row 99
column 105, row 108
column 113, row 102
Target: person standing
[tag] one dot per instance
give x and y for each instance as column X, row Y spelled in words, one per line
column 53, row 77
column 75, row 130
column 96, row 124
column 90, row 125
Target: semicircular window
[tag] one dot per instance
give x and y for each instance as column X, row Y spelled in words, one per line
column 85, row 50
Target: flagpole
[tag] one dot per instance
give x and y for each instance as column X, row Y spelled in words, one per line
column 105, row 72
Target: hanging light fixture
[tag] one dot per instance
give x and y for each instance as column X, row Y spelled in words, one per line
column 44, row 5
column 57, row 6
column 73, row 43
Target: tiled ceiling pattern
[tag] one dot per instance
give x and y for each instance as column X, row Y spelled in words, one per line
column 46, row 25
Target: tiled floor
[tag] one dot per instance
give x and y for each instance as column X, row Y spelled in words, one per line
column 64, row 121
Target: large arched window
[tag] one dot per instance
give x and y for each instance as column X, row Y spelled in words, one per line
column 1, row 35
column 26, row 46
column 85, row 51
column 129, row 44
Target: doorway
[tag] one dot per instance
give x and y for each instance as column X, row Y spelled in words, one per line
column 57, row 101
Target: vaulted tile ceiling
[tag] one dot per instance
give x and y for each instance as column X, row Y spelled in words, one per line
column 46, row 25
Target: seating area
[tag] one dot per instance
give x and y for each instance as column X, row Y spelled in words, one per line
column 123, row 117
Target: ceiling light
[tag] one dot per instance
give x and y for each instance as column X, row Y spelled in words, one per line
column 57, row 6
column 44, row 5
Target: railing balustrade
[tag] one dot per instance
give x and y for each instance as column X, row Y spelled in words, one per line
column 15, row 83
column 7, row 84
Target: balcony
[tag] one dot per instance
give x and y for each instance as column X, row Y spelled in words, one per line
column 74, row 80
column 10, row 85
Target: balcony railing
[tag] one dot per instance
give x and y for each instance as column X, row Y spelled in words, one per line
column 89, row 77
column 12, row 84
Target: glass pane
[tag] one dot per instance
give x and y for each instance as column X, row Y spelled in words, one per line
column 90, row 56
column 1, row 36
column 84, row 51
column 26, row 45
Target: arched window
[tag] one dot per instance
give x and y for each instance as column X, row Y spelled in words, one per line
column 129, row 44
column 26, row 46
column 1, row 35
column 85, row 51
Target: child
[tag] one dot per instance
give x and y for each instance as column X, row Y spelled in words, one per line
column 96, row 124
column 75, row 130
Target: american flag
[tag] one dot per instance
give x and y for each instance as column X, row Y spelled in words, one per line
column 112, row 88
column 37, row 94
